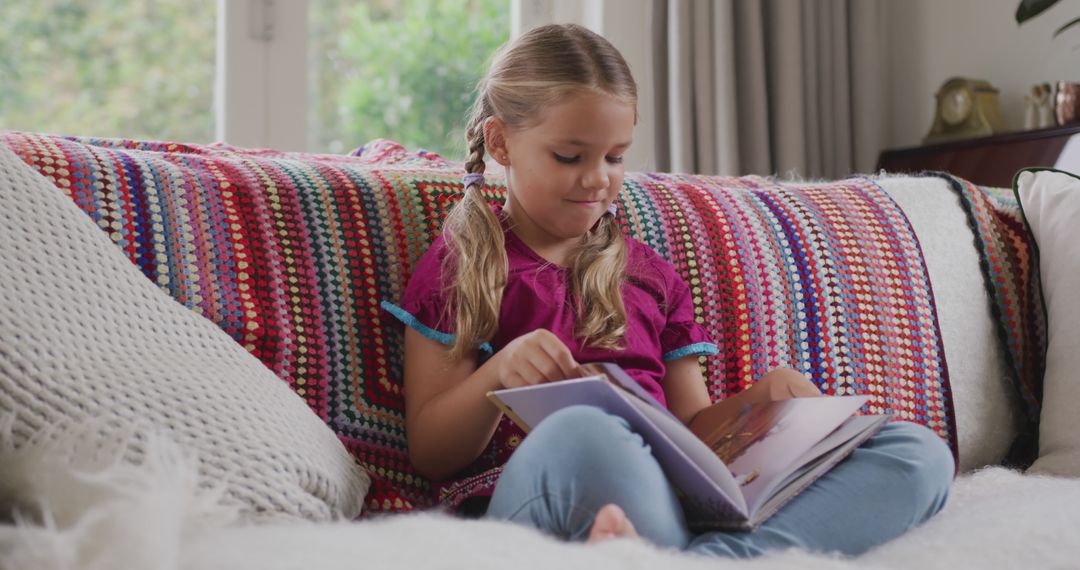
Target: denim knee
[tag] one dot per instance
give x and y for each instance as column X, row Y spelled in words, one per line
column 576, row 461
column 585, row 427
column 584, row 439
column 925, row 461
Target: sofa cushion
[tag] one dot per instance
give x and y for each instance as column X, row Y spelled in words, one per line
column 984, row 387
column 1051, row 203
column 292, row 253
column 85, row 337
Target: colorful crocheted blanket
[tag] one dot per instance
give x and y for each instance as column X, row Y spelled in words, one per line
column 292, row 253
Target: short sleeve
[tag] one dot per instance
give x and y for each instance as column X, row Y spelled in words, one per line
column 682, row 335
column 425, row 307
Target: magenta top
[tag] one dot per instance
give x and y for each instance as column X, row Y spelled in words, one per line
column 660, row 327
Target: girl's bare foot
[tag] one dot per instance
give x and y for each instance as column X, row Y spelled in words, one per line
column 611, row 522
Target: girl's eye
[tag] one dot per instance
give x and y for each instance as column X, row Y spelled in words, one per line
column 573, row 159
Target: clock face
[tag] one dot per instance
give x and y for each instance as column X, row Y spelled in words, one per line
column 955, row 105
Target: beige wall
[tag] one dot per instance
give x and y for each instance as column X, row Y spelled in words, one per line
column 929, row 41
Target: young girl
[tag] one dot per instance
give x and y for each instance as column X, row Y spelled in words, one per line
column 524, row 293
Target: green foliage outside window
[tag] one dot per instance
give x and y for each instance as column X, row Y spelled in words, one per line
column 402, row 70
column 110, row 68
column 144, row 69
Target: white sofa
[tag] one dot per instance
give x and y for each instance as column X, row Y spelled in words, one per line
column 166, row 498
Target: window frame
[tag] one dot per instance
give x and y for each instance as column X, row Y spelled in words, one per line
column 260, row 87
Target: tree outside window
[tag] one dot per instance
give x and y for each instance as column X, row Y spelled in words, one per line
column 109, row 68
column 402, row 70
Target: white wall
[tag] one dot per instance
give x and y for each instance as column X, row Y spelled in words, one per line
column 930, row 41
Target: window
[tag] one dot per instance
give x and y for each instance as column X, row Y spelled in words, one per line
column 316, row 75
column 109, row 68
column 403, row 70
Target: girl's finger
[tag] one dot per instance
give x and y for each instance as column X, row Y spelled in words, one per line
column 542, row 369
column 561, row 357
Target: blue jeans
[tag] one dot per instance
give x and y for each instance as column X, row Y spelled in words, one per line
column 582, row 458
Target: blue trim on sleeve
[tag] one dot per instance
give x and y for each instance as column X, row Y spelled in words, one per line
column 408, row 319
column 698, row 348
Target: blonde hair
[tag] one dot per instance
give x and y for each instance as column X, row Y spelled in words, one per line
column 537, row 70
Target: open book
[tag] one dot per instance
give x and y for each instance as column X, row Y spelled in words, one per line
column 732, row 474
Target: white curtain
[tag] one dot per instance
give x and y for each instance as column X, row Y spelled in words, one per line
column 788, row 87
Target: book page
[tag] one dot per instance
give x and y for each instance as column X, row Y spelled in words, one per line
column 849, row 431
column 768, row 438
column 814, row 464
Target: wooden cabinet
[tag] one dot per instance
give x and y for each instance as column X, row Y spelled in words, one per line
column 991, row 161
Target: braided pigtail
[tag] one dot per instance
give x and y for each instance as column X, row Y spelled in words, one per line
column 477, row 252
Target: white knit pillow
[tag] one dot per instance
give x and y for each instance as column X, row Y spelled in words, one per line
column 83, row 334
column 1051, row 204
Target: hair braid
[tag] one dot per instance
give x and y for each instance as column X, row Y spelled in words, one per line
column 477, row 254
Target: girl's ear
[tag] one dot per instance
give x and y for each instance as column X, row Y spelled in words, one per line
column 495, row 140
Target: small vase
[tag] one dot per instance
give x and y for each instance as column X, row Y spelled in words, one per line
column 1067, row 101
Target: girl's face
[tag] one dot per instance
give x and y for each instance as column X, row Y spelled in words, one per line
column 563, row 172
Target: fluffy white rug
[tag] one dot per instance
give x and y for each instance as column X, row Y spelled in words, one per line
column 93, row 512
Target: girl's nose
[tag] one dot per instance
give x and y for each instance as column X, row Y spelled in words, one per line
column 596, row 177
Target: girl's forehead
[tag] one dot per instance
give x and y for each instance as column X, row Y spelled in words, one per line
column 589, row 118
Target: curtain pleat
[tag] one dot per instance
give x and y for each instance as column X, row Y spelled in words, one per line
column 782, row 87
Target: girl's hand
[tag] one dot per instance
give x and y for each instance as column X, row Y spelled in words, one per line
column 785, row 383
column 535, row 358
